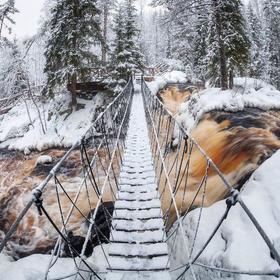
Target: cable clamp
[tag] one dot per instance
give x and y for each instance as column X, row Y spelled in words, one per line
column 233, row 199
column 37, row 194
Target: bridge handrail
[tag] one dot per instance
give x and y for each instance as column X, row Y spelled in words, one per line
column 40, row 188
column 235, row 196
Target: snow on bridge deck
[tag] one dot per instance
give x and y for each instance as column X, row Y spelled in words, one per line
column 138, row 249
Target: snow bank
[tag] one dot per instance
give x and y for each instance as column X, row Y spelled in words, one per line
column 5, row 258
column 44, row 160
column 35, row 267
column 63, row 129
column 246, row 83
column 248, row 93
column 171, row 77
column 237, row 245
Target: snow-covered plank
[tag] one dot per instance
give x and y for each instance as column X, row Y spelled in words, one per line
column 154, row 275
column 137, row 181
column 138, row 214
column 138, row 195
column 123, row 204
column 138, row 165
column 139, row 169
column 142, row 264
column 138, row 249
column 137, row 175
column 139, row 188
column 128, row 225
column 138, row 237
column 136, row 172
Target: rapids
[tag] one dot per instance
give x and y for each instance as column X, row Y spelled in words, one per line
column 19, row 175
column 237, row 142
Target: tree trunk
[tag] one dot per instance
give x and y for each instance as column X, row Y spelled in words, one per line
column 105, row 34
column 169, row 47
column 1, row 25
column 222, row 54
column 231, row 79
column 73, row 91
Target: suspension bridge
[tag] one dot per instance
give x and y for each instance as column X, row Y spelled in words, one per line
column 135, row 181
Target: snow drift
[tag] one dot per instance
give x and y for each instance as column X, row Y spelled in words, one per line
column 237, row 245
column 18, row 132
column 170, row 77
column 247, row 93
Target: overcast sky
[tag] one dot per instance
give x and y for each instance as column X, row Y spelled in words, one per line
column 28, row 17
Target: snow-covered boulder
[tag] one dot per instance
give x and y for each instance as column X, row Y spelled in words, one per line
column 26, row 151
column 45, row 159
column 170, row 77
column 17, row 131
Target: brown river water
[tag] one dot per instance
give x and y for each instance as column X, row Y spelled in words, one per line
column 19, row 175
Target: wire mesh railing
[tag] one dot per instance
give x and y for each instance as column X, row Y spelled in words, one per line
column 185, row 180
column 71, row 210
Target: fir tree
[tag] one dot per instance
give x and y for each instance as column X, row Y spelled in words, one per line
column 74, row 29
column 227, row 42
column 126, row 56
column 134, row 58
column 120, row 73
column 14, row 80
column 256, row 65
column 106, row 6
column 183, row 35
column 7, row 9
column 200, row 45
column 272, row 41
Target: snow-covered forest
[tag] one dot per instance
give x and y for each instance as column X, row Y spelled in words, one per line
column 131, row 130
column 215, row 40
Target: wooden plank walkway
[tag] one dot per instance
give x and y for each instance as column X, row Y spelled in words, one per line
column 138, row 249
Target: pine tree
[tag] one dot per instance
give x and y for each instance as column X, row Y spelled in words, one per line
column 6, row 11
column 199, row 45
column 126, row 56
column 228, row 44
column 183, row 34
column 14, row 80
column 105, row 6
column 120, row 74
column 255, row 28
column 134, row 58
column 272, row 41
column 74, row 29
